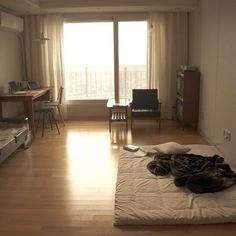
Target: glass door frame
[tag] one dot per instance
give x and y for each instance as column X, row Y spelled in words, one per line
column 108, row 17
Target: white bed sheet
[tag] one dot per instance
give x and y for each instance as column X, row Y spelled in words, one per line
column 145, row 199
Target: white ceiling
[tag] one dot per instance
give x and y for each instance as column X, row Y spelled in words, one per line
column 20, row 6
column 73, row 6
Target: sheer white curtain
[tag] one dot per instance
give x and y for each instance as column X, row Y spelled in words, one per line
column 44, row 59
column 33, row 49
column 167, row 49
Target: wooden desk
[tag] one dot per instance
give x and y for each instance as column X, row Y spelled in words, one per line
column 28, row 98
column 118, row 111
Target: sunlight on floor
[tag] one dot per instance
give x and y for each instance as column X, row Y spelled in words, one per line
column 90, row 163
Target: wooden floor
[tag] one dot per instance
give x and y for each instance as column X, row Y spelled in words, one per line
column 65, row 184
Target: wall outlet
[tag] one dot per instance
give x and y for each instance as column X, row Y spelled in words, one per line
column 227, row 135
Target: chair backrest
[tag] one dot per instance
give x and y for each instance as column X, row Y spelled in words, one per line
column 145, row 99
column 59, row 96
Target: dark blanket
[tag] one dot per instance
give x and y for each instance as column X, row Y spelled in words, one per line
column 198, row 173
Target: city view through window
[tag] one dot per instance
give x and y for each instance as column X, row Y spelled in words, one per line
column 89, row 59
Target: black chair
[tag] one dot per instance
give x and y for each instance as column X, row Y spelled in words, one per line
column 145, row 105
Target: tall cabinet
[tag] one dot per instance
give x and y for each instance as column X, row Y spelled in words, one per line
column 187, row 98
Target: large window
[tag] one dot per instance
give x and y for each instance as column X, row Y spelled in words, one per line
column 132, row 57
column 90, row 59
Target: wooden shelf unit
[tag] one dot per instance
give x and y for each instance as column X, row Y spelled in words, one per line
column 187, row 98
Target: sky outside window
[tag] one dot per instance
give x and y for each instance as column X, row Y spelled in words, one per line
column 89, row 59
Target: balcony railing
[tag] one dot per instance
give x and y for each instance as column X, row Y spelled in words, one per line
column 84, row 83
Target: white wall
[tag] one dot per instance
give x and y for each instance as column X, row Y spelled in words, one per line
column 10, row 67
column 215, row 53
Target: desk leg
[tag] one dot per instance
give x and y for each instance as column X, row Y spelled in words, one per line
column 126, row 118
column 110, row 115
column 0, row 109
column 29, row 109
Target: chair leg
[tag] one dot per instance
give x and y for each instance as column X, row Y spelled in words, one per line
column 50, row 120
column 39, row 118
column 159, row 123
column 43, row 123
column 53, row 118
column 60, row 114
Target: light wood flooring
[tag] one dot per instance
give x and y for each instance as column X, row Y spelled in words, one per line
column 65, row 184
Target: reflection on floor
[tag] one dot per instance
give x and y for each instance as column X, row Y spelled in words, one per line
column 65, row 184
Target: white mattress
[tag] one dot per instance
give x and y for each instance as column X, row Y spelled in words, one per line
column 145, row 199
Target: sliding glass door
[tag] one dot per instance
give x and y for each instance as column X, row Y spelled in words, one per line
column 89, row 69
column 132, row 57
column 91, row 55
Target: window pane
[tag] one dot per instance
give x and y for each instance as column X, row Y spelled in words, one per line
column 88, row 49
column 132, row 57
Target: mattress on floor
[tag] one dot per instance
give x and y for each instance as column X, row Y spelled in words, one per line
column 145, row 199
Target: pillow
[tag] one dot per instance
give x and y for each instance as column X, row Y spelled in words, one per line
column 171, row 148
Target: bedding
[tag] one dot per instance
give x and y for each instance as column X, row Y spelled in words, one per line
column 13, row 134
column 145, row 199
column 171, row 148
column 200, row 174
